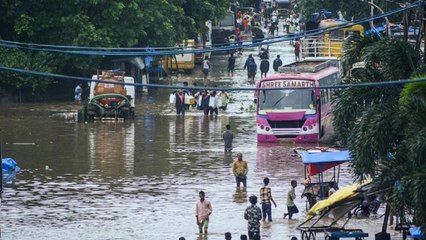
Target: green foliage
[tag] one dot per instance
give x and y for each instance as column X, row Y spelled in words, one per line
column 97, row 23
column 406, row 171
column 37, row 61
column 377, row 121
column 349, row 9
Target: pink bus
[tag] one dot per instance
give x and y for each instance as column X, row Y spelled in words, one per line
column 286, row 113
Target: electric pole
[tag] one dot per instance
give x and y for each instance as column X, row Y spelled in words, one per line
column 424, row 31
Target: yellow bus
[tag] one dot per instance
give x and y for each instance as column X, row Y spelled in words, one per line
column 333, row 40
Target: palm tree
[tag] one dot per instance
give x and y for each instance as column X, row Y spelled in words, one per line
column 376, row 122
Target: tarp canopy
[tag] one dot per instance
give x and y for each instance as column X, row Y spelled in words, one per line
column 318, row 162
column 343, row 193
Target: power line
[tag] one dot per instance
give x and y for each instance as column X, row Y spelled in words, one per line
column 99, row 51
column 340, row 86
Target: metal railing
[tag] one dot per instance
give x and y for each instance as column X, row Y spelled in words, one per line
column 319, row 47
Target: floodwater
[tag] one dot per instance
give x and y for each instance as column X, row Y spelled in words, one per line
column 140, row 179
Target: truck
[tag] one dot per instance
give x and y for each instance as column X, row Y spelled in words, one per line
column 283, row 8
column 112, row 100
column 224, row 30
column 185, row 62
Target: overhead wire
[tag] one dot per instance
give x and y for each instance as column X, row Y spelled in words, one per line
column 83, row 79
column 55, row 48
column 100, row 51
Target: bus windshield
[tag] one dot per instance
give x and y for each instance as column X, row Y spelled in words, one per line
column 286, row 100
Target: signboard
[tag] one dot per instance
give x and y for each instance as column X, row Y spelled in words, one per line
column 287, row 83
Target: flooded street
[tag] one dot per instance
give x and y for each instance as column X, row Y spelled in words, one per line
column 140, row 179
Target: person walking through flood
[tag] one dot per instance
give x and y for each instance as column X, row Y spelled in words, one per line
column 240, row 170
column 291, row 31
column 228, row 137
column 204, row 101
column 186, row 93
column 78, row 91
column 251, row 67
column 266, row 198
column 277, row 63
column 180, row 102
column 203, row 210
column 253, row 215
column 264, row 67
column 291, row 196
column 214, row 102
column 297, row 50
column 206, row 66
column 231, row 65
column 224, row 100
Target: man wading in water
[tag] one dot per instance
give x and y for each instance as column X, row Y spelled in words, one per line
column 240, row 170
column 228, row 136
column 203, row 209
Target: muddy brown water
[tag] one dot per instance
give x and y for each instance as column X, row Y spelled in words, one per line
column 140, row 179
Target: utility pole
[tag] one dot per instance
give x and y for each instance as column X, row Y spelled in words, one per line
column 424, row 31
column 388, row 32
column 371, row 14
column 1, row 170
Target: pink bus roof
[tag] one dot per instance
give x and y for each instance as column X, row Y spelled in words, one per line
column 304, row 75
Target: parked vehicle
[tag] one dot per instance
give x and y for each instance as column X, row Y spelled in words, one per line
column 223, row 30
column 286, row 113
column 185, row 62
column 283, row 8
column 330, row 44
column 110, row 100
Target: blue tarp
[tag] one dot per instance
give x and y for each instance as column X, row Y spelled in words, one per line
column 325, row 157
column 415, row 232
column 9, row 169
column 9, row 165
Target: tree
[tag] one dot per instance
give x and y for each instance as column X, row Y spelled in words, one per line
column 383, row 126
column 94, row 23
column 350, row 9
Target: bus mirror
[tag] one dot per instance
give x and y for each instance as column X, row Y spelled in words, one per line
column 255, row 101
column 313, row 95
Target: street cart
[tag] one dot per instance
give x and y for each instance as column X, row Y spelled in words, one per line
column 322, row 172
column 329, row 217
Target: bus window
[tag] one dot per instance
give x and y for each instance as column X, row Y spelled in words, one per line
column 353, row 34
column 337, row 34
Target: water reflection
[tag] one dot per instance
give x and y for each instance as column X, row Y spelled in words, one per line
column 227, row 158
column 240, row 195
column 112, row 148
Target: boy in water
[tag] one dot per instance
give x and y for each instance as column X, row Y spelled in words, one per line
column 266, row 198
column 291, row 195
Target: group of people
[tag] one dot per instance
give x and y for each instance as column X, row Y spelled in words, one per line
column 248, row 20
column 251, row 66
column 208, row 101
column 253, row 213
